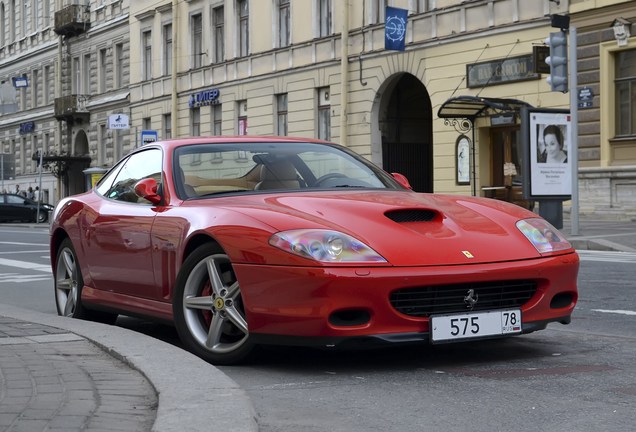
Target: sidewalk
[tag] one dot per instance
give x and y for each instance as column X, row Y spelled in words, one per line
column 59, row 374
column 603, row 235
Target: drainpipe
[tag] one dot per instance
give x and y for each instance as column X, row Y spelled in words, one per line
column 175, row 43
column 344, row 74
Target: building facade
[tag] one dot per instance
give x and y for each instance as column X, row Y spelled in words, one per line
column 445, row 111
column 64, row 71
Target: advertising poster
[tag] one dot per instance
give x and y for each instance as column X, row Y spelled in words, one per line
column 550, row 166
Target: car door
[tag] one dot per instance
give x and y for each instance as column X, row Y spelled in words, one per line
column 16, row 209
column 119, row 248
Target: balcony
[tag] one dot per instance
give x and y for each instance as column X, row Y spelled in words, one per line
column 72, row 20
column 71, row 108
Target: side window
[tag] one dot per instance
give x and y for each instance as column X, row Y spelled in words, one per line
column 12, row 199
column 145, row 164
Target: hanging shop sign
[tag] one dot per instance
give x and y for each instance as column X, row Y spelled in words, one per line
column 118, row 121
column 21, row 81
column 501, row 71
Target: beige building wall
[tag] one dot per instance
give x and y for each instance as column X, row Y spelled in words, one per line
column 442, row 37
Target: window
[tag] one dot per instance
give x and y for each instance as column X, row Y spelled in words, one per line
column 101, row 142
column 626, row 93
column 283, row 23
column 167, row 126
column 46, row 85
column 35, row 15
column 146, row 123
column 86, row 74
column 12, row 18
column 243, row 27
column 24, row 22
column 3, row 42
column 195, row 121
column 217, row 120
column 218, row 21
column 119, row 65
column 242, row 117
column 101, row 70
column 281, row 114
column 197, row 40
column 378, row 10
column 324, row 114
column 147, row 55
column 46, row 12
column 324, row 18
column 119, row 183
column 167, row 49
column 35, row 83
column 76, row 75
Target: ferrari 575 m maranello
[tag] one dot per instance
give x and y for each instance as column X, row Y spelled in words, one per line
column 246, row 241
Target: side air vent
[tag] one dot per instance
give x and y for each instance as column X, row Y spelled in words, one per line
column 414, row 215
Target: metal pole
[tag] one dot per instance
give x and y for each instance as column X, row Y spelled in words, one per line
column 2, row 170
column 39, row 200
column 574, row 133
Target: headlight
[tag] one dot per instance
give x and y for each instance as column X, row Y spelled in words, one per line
column 544, row 237
column 324, row 246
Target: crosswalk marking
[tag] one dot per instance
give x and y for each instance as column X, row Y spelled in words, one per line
column 25, row 265
column 20, row 278
column 607, row 256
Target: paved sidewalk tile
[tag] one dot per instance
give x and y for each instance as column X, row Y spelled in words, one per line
column 52, row 380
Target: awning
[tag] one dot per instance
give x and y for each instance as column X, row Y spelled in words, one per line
column 471, row 107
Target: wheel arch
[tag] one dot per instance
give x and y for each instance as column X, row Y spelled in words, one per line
column 57, row 237
column 195, row 242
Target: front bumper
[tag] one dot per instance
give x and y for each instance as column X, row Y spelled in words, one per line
column 301, row 302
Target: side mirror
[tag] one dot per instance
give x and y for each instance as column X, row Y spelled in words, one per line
column 401, row 179
column 147, row 189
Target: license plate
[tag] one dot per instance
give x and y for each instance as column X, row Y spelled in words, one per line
column 475, row 325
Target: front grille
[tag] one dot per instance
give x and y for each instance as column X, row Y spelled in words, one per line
column 444, row 299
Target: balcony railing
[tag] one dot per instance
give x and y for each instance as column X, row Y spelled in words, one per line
column 71, row 108
column 72, row 20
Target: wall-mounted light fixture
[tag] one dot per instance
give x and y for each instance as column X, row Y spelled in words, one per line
column 621, row 30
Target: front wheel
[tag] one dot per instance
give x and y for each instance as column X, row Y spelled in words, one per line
column 208, row 308
column 68, row 287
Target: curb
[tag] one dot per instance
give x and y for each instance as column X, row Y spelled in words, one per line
column 598, row 245
column 193, row 394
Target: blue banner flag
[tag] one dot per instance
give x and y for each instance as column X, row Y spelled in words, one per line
column 395, row 28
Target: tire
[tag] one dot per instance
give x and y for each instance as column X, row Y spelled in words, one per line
column 68, row 283
column 44, row 216
column 208, row 308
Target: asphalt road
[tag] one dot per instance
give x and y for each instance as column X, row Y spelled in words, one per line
column 578, row 377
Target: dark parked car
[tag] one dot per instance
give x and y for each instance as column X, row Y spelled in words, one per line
column 15, row 207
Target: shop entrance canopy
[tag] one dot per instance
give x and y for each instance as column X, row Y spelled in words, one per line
column 471, row 107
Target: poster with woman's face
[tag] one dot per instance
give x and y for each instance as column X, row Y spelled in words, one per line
column 551, row 172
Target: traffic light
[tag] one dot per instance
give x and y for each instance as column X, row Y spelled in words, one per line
column 558, row 61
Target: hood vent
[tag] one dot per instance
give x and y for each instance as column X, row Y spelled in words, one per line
column 412, row 215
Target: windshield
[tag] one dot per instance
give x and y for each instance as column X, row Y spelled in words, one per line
column 206, row 169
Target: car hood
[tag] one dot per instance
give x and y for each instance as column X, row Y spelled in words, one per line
column 406, row 228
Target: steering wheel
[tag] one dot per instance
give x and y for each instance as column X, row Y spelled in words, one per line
column 326, row 177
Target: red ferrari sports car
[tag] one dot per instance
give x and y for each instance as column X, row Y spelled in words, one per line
column 251, row 240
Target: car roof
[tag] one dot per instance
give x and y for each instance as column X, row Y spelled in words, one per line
column 173, row 143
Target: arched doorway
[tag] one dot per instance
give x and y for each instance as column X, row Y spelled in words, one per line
column 405, row 122
column 76, row 180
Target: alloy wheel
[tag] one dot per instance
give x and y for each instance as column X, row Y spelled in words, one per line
column 212, row 306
